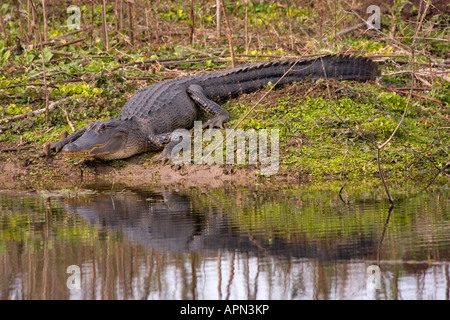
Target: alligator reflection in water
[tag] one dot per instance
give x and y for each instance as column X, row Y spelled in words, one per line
column 168, row 221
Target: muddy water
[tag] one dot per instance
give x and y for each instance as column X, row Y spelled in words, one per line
column 238, row 243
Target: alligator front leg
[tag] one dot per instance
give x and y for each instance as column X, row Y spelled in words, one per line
column 161, row 140
column 57, row 146
column 221, row 116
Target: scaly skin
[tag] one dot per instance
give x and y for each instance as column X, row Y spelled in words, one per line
column 154, row 112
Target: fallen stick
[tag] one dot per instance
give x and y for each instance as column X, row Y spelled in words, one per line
column 415, row 95
column 27, row 84
column 18, row 148
column 59, row 38
column 51, row 106
column 163, row 62
column 62, row 53
column 69, row 43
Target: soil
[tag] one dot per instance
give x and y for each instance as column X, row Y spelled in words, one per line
column 26, row 167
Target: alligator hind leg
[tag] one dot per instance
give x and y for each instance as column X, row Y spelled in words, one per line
column 161, row 140
column 196, row 93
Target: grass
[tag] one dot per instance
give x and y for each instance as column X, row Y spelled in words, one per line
column 314, row 142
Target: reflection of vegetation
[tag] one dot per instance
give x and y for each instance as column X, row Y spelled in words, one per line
column 318, row 214
column 37, row 234
column 27, row 219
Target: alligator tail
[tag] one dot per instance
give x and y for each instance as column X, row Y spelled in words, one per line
column 223, row 85
column 340, row 67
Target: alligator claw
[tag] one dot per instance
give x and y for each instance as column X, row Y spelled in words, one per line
column 216, row 122
column 57, row 147
column 163, row 157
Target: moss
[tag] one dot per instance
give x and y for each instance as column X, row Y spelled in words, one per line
column 327, row 147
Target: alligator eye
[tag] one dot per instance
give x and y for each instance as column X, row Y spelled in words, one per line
column 102, row 127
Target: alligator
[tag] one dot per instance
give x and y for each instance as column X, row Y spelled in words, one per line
column 149, row 117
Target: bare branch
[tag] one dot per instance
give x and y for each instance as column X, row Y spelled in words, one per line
column 35, row 112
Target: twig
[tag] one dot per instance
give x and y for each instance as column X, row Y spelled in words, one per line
column 157, row 22
column 147, row 22
column 44, row 17
column 218, row 18
column 230, row 40
column 406, row 107
column 130, row 21
column 38, row 76
column 55, row 40
column 345, row 31
column 20, row 147
column 27, row 84
column 163, row 62
column 104, row 31
column 63, row 53
column 19, row 17
column 69, row 43
column 416, row 95
column 33, row 113
column 386, row 223
column 66, row 58
column 2, row 28
column 192, row 22
column 68, row 119
column 445, row 166
column 43, row 61
column 343, row 174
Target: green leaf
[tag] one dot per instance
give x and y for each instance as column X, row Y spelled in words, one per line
column 6, row 56
column 5, row 8
column 29, row 57
column 47, row 55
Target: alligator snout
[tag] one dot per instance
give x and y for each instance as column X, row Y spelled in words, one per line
column 73, row 150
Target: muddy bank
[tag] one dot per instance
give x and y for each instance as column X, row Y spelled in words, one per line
column 26, row 167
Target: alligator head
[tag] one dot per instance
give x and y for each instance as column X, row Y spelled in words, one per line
column 108, row 140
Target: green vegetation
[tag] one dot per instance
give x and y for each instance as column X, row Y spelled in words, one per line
column 98, row 78
column 315, row 142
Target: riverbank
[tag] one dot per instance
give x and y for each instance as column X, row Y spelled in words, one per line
column 27, row 168
column 314, row 143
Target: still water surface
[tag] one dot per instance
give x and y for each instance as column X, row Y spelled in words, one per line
column 238, row 243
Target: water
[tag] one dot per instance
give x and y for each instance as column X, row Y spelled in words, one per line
column 238, row 243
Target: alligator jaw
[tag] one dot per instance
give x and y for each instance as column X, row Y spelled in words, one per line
column 84, row 153
column 111, row 149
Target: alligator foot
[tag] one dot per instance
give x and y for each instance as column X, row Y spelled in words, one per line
column 57, row 146
column 166, row 154
column 163, row 157
column 216, row 122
